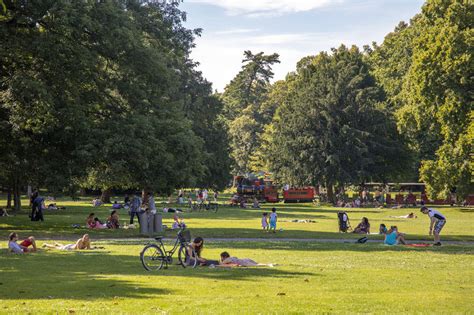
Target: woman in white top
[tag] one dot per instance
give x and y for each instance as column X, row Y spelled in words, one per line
column 82, row 243
column 227, row 261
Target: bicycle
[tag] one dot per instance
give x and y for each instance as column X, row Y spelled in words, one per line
column 154, row 256
column 210, row 206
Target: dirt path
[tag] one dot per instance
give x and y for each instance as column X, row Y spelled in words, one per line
column 269, row 240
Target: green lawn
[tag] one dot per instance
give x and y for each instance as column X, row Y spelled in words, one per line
column 234, row 222
column 309, row 278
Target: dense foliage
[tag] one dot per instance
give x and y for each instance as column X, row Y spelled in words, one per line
column 102, row 94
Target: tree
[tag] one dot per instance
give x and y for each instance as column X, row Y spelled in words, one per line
column 243, row 97
column 438, row 93
column 334, row 127
column 90, row 95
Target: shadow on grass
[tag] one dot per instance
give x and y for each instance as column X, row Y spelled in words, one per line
column 91, row 275
column 350, row 246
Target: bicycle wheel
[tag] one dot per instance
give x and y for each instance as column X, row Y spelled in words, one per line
column 182, row 255
column 152, row 257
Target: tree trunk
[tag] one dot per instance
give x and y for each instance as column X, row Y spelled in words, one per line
column 16, row 195
column 105, row 197
column 9, row 198
column 330, row 191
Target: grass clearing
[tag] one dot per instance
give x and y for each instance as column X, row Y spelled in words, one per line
column 231, row 222
column 309, row 278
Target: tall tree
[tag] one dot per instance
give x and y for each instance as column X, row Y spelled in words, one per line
column 438, row 93
column 89, row 94
column 243, row 97
column 334, row 128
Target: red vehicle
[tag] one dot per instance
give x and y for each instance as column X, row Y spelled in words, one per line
column 253, row 187
column 304, row 194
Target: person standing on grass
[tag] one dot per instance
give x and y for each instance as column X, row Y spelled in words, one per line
column 265, row 222
column 273, row 220
column 437, row 222
column 135, row 204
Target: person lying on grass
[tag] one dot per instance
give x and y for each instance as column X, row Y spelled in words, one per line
column 21, row 248
column 82, row 243
column 408, row 216
column 228, row 261
column 393, row 237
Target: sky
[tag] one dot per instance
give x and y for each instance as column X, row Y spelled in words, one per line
column 292, row 28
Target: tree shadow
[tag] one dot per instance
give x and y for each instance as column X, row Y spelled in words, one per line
column 91, row 275
column 348, row 246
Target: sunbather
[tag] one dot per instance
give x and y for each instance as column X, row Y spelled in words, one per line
column 82, row 243
column 227, row 261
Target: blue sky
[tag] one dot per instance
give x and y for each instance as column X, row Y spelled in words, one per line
column 292, row 28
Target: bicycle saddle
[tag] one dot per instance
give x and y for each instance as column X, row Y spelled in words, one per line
column 158, row 238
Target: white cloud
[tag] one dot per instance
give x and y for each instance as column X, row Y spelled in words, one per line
column 234, row 31
column 220, row 56
column 257, row 8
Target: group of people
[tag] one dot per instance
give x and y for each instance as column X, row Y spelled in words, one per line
column 392, row 236
column 93, row 222
column 28, row 245
column 194, row 253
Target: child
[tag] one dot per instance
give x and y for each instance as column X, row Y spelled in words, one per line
column 23, row 246
column 437, row 221
column 265, row 221
column 273, row 220
column 382, row 229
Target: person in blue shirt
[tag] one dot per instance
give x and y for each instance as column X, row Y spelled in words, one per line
column 393, row 237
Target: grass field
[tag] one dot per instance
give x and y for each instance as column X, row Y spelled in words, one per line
column 309, row 277
column 245, row 223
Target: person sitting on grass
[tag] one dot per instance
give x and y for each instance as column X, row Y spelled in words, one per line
column 97, row 202
column 198, row 245
column 228, row 261
column 382, row 229
column 393, row 237
column 437, row 222
column 21, row 248
column 256, row 204
column 4, row 213
column 113, row 220
column 93, row 222
column 82, row 243
column 116, row 205
column 363, row 227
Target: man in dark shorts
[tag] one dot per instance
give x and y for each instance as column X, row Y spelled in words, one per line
column 437, row 222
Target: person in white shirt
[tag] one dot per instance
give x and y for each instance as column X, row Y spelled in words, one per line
column 437, row 222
